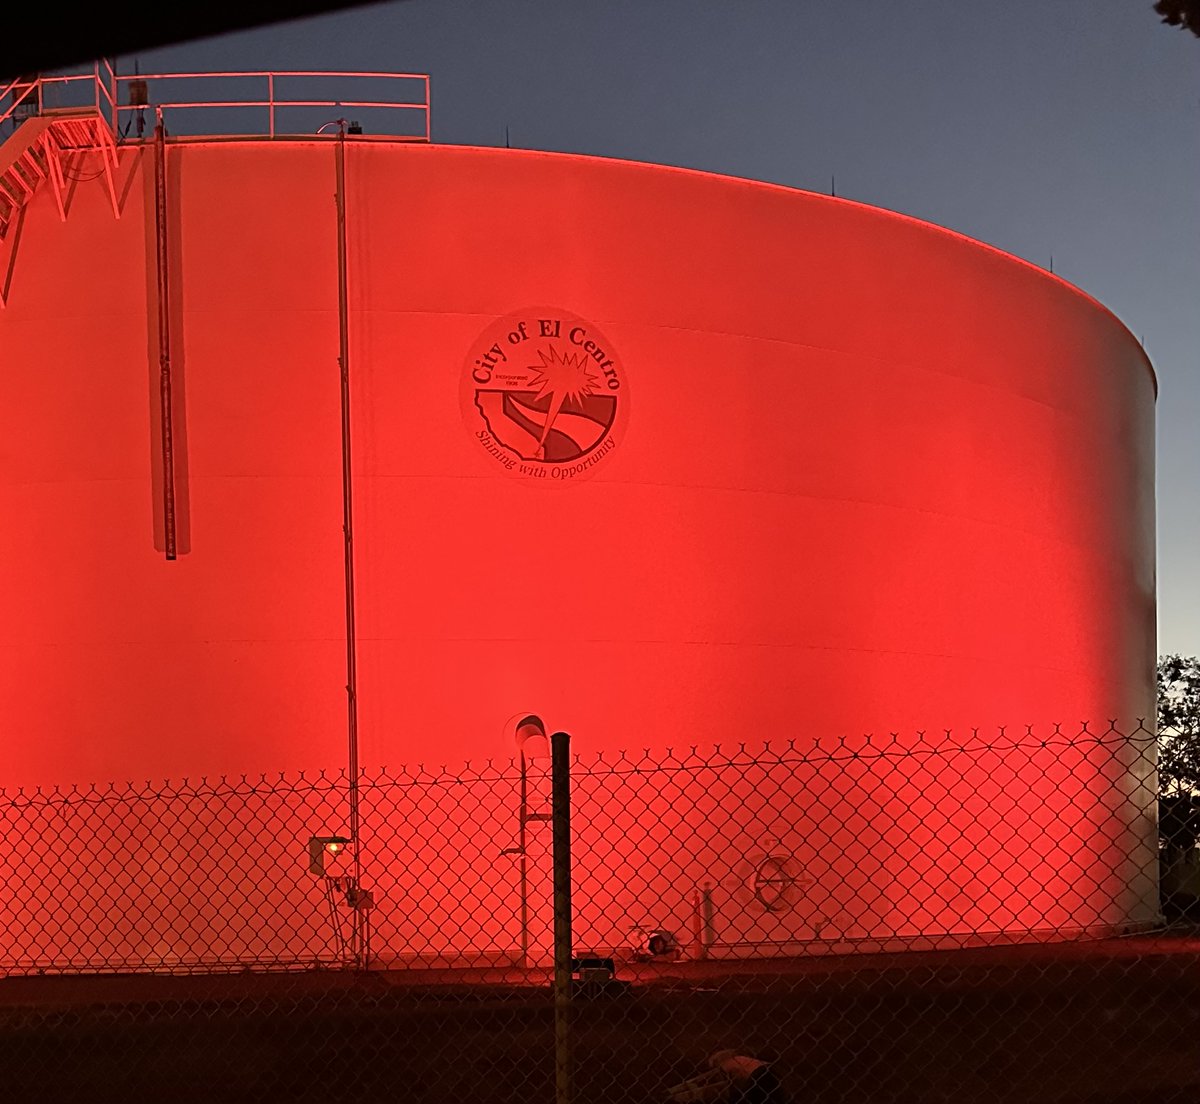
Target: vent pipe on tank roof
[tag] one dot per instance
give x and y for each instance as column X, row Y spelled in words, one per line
column 139, row 97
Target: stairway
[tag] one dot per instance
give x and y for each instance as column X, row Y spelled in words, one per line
column 36, row 153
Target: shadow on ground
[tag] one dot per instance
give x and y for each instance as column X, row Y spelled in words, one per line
column 1067, row 1029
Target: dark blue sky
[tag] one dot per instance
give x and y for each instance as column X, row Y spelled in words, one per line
column 1046, row 127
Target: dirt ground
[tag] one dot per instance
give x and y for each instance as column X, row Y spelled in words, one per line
column 1113, row 1023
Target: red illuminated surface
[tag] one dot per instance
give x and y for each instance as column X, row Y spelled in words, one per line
column 872, row 476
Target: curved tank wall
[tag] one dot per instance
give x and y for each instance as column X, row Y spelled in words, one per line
column 857, row 473
column 873, row 475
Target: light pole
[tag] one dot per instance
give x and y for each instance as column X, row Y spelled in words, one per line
column 530, row 735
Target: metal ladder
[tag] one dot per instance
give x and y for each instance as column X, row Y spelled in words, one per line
column 42, row 148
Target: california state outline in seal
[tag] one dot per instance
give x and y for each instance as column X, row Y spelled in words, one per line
column 544, row 395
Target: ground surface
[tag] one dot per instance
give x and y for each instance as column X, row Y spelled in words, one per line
column 1116, row 1022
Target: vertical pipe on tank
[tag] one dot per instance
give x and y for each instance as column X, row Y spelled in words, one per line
column 347, row 506
column 164, row 337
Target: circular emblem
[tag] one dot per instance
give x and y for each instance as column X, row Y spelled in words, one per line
column 774, row 880
column 544, row 395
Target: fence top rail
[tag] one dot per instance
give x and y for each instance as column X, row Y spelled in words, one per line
column 918, row 747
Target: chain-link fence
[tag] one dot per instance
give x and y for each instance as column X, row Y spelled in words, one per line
column 924, row 918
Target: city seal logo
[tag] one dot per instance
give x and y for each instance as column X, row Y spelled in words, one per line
column 544, row 395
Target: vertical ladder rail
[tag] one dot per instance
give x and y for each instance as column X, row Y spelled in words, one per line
column 164, row 339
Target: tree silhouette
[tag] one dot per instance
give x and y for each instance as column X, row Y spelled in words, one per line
column 1179, row 781
column 1184, row 14
column 1179, row 724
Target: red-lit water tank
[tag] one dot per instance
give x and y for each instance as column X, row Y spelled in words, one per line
column 666, row 457
column 864, row 474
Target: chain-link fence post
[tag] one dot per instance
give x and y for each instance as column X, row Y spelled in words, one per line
column 560, row 766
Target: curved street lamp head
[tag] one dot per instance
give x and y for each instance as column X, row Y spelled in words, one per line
column 530, row 734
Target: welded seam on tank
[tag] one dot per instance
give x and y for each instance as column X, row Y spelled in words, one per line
column 884, row 213
column 624, row 641
column 845, row 354
column 1047, row 537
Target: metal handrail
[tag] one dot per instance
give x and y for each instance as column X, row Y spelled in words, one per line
column 108, row 88
column 273, row 102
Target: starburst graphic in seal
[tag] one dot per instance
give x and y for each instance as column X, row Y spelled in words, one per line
column 544, row 394
column 563, row 379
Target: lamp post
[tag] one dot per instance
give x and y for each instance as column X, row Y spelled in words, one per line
column 530, row 735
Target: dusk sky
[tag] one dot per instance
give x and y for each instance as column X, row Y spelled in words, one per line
column 1049, row 128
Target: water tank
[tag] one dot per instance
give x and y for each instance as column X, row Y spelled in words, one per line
column 666, row 457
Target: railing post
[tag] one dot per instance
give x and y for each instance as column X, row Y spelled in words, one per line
column 271, row 101
column 560, row 760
